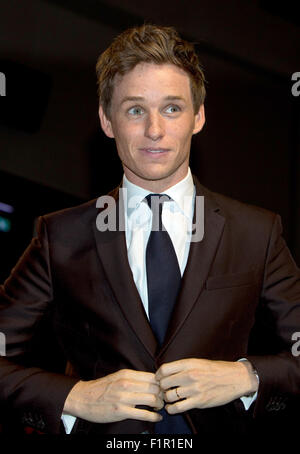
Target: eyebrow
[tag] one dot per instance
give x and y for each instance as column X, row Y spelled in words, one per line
column 141, row 98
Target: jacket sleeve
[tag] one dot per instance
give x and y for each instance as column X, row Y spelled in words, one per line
column 279, row 371
column 35, row 395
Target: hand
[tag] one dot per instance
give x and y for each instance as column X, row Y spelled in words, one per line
column 203, row 383
column 114, row 397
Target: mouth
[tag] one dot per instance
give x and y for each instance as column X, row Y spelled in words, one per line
column 154, row 151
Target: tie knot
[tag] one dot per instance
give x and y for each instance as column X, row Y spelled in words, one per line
column 155, row 200
column 155, row 203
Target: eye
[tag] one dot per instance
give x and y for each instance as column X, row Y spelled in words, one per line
column 173, row 108
column 136, row 110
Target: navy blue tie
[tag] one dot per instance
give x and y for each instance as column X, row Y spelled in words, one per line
column 163, row 280
column 163, row 272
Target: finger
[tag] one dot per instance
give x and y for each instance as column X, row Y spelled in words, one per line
column 174, row 381
column 181, row 406
column 142, row 415
column 176, row 394
column 133, row 398
column 148, row 377
column 126, row 384
column 161, row 397
column 173, row 367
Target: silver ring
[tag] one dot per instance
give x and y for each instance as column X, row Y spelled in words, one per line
column 176, row 390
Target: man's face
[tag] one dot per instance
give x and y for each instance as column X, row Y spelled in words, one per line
column 152, row 120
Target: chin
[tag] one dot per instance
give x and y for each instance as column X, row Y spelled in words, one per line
column 154, row 176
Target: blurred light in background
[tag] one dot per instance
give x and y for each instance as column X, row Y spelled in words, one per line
column 6, row 208
column 5, row 224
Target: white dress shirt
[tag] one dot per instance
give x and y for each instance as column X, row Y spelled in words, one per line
column 177, row 218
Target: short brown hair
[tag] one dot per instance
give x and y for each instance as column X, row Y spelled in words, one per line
column 148, row 44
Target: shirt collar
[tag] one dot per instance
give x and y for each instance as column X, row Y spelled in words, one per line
column 182, row 193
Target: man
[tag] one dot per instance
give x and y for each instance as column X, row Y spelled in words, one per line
column 152, row 346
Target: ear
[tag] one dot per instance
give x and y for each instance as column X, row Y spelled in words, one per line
column 199, row 120
column 105, row 123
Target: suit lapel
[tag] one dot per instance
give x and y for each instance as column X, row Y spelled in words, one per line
column 200, row 259
column 112, row 250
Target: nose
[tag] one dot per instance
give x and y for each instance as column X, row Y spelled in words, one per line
column 154, row 128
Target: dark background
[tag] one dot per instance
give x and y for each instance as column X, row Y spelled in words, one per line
column 52, row 151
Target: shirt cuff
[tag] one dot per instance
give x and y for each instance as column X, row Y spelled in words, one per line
column 68, row 422
column 248, row 400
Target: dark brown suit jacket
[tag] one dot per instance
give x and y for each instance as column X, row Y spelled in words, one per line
column 240, row 289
